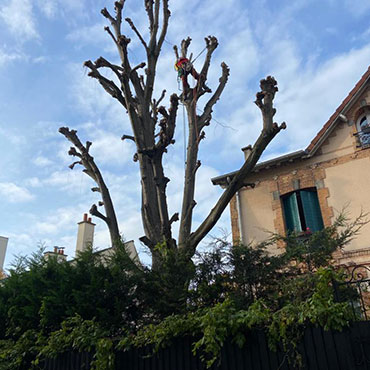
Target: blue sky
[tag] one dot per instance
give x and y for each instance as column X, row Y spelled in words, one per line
column 316, row 49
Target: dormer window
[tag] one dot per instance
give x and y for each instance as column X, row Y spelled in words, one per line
column 364, row 123
column 363, row 128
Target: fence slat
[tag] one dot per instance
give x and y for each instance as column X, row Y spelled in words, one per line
column 331, row 350
column 321, row 350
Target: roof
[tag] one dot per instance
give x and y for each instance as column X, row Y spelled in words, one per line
column 316, row 141
column 327, row 126
column 219, row 180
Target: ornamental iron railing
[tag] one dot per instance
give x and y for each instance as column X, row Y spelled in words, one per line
column 363, row 139
column 356, row 289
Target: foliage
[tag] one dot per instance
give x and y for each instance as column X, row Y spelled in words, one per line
column 99, row 304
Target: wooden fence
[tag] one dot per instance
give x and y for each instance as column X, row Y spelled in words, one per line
column 321, row 350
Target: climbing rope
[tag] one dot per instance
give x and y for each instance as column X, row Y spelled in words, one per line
column 184, row 129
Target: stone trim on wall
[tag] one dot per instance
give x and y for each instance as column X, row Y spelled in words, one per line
column 234, row 216
column 351, row 257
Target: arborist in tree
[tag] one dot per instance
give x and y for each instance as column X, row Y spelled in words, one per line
column 184, row 67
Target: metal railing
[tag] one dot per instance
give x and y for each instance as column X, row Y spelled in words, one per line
column 356, row 289
column 363, row 139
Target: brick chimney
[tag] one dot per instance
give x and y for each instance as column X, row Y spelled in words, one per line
column 3, row 245
column 85, row 234
column 57, row 253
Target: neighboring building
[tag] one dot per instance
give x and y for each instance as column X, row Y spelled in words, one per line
column 3, row 245
column 85, row 239
column 308, row 188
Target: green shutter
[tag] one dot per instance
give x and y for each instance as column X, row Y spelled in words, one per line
column 311, row 210
column 291, row 213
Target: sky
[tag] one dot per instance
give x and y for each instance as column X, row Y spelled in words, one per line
column 316, row 49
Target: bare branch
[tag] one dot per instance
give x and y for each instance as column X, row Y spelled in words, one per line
column 269, row 88
column 162, row 110
column 102, row 62
column 92, row 170
column 94, row 211
column 109, row 86
column 118, row 6
column 149, row 10
column 107, row 29
column 174, row 218
column 206, row 117
column 73, row 152
column 115, row 22
column 71, row 166
column 145, row 240
column 88, row 145
column 141, row 65
column 133, row 27
column 107, row 15
column 161, row 97
column 127, row 137
column 184, row 47
column 211, row 44
column 168, row 123
column 176, row 52
column 95, row 189
column 166, row 16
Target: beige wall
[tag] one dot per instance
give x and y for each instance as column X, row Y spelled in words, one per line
column 349, row 184
column 339, row 143
column 256, row 217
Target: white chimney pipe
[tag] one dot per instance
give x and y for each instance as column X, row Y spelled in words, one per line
column 85, row 234
column 3, row 245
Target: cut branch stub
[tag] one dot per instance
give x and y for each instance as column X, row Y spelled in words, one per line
column 184, row 47
column 264, row 101
column 94, row 211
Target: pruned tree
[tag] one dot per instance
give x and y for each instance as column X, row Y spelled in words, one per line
column 153, row 128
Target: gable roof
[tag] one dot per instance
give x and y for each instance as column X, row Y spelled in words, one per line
column 316, row 141
column 326, row 129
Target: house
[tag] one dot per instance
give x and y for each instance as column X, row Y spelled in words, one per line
column 85, row 239
column 308, row 188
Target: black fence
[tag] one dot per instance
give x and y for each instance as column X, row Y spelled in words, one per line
column 320, row 349
column 356, row 289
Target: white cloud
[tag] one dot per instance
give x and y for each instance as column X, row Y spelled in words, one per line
column 14, row 194
column 48, row 7
column 75, row 182
column 42, row 161
column 6, row 58
column 19, row 18
column 92, row 35
column 33, row 182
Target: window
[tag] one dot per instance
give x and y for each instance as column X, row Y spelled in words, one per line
column 363, row 129
column 364, row 123
column 302, row 211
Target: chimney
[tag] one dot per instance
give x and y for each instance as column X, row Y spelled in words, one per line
column 3, row 245
column 58, row 253
column 85, row 234
column 247, row 151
